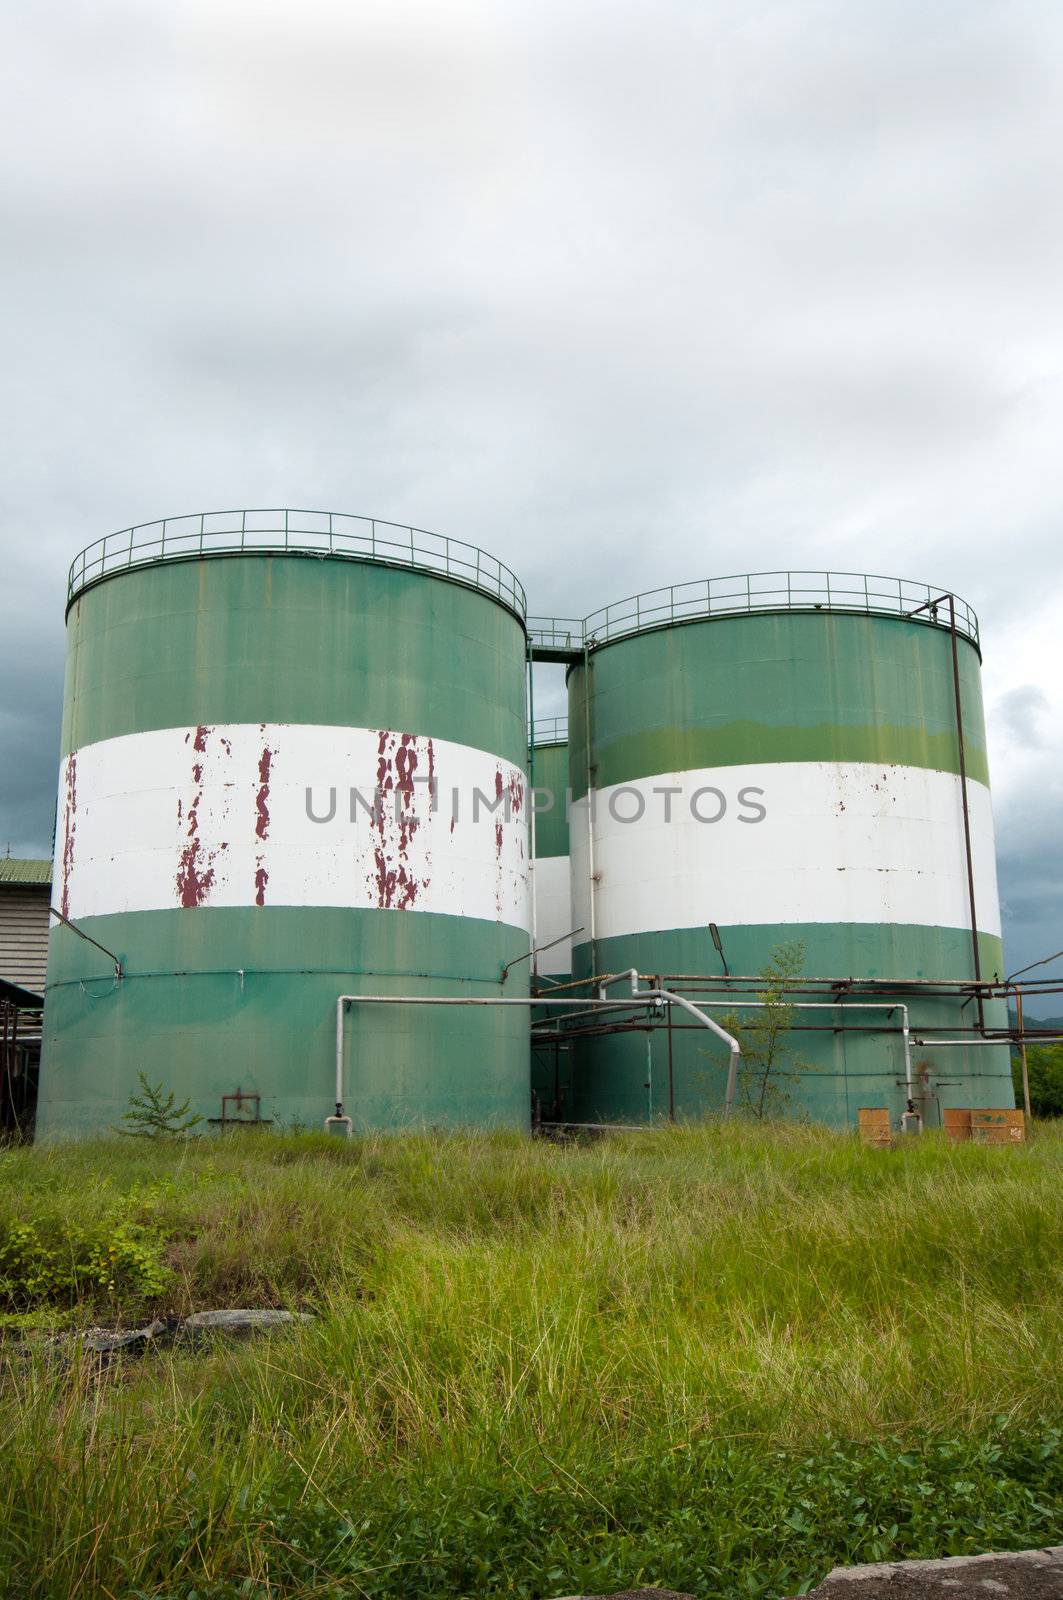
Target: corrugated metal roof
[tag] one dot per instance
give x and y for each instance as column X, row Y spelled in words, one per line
column 22, row 869
column 15, row 995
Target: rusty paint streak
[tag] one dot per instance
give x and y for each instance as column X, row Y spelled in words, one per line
column 386, row 878
column 195, row 871
column 261, row 880
column 194, row 878
column 69, row 829
column 265, row 761
column 397, row 887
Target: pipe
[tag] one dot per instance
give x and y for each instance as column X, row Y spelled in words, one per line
column 591, row 882
column 533, row 1000
column 975, row 952
column 632, row 974
column 811, row 1005
column 88, row 939
column 531, row 826
column 857, row 1005
column 970, row 1044
column 649, row 1075
column 993, row 987
column 1022, row 1053
column 537, row 949
column 932, row 606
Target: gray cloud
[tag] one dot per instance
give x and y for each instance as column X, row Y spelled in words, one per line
column 626, row 293
column 1021, row 713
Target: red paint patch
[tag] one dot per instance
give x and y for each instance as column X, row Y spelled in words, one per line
column 265, row 761
column 261, row 880
column 386, row 879
column 195, row 870
column 69, row 829
column 398, row 759
column 194, row 877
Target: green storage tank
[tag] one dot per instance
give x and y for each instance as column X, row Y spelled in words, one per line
column 293, row 768
column 551, row 874
column 778, row 755
column 552, row 891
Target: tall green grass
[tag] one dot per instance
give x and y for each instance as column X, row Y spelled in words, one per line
column 714, row 1359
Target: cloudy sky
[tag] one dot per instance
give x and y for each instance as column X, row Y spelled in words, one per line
column 627, row 293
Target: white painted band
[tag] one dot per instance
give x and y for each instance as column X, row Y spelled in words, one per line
column 219, row 816
column 838, row 842
column 553, row 907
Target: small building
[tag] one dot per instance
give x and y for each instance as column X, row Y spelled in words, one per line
column 25, row 895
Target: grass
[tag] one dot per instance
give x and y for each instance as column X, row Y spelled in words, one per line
column 719, row 1360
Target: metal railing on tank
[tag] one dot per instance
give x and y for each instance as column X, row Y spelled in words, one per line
column 550, row 730
column 320, row 533
column 747, row 593
column 555, row 633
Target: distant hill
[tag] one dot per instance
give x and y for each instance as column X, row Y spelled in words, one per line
column 1030, row 1021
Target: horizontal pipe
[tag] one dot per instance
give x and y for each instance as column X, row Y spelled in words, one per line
column 968, row 1044
column 531, row 1000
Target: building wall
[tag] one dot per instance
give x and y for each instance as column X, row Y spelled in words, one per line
column 24, row 934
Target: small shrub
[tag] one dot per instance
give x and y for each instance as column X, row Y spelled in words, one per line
column 61, row 1265
column 152, row 1115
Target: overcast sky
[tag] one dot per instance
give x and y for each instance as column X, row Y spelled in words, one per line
column 626, row 293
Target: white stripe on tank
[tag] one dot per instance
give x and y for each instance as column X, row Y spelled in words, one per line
column 836, row 842
column 224, row 816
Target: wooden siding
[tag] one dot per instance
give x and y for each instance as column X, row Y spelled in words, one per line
column 24, row 935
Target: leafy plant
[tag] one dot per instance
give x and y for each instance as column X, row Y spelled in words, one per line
column 769, row 1069
column 152, row 1115
column 42, row 1264
column 1045, row 1066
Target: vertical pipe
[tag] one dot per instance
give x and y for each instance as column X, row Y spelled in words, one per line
column 339, row 1056
column 976, row 954
column 649, row 1076
column 1022, row 1052
column 531, row 811
column 591, row 870
column 671, row 1075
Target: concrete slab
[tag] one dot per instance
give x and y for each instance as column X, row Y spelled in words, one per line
column 1023, row 1575
column 633, row 1594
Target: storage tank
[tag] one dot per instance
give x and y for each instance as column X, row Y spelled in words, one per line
column 552, row 889
column 259, row 708
column 778, row 756
column 552, row 870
